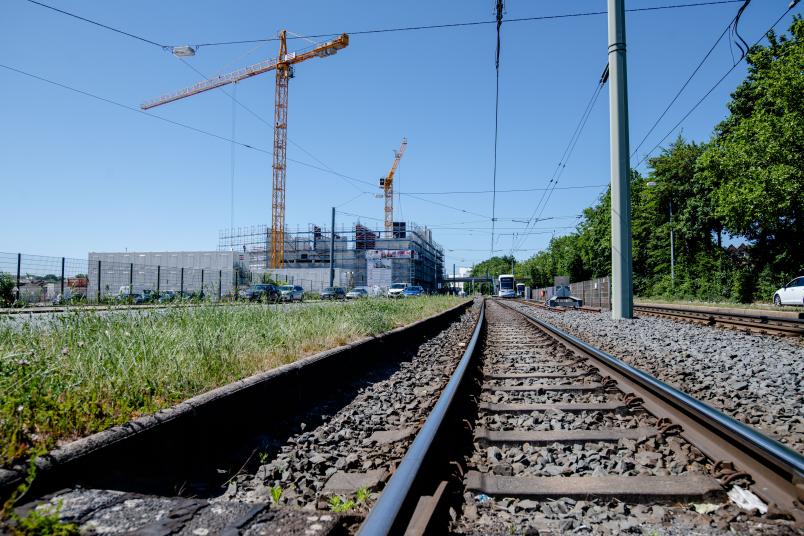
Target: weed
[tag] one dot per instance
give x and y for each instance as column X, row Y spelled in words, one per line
column 362, row 495
column 41, row 521
column 340, row 505
column 264, row 457
column 276, row 493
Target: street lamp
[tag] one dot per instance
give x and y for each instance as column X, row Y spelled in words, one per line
column 651, row 184
column 184, row 51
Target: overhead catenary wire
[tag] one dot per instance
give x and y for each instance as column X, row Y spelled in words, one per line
column 105, row 26
column 562, row 163
column 711, row 89
column 473, row 23
column 158, row 117
column 499, row 9
column 388, row 30
column 728, row 29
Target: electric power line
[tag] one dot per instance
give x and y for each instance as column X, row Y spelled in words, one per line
column 709, row 92
column 472, row 23
column 496, row 124
column 90, row 21
column 728, row 27
column 387, row 30
column 164, row 119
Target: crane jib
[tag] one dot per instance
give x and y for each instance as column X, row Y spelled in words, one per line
column 323, row 50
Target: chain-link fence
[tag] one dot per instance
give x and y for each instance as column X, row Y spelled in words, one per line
column 593, row 293
column 35, row 279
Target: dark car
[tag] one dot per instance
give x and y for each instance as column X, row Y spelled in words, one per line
column 413, row 290
column 264, row 292
column 333, row 293
column 168, row 296
column 146, row 296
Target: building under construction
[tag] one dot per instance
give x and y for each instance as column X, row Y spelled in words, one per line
column 362, row 256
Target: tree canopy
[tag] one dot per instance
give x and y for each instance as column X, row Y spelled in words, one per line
column 743, row 187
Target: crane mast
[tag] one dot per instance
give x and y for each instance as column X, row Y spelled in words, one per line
column 283, row 65
column 387, row 184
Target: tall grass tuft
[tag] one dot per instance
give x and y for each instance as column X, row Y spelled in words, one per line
column 80, row 373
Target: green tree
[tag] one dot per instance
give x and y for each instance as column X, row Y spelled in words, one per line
column 7, row 284
column 493, row 267
column 754, row 163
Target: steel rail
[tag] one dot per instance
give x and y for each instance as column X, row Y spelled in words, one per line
column 384, row 514
column 767, row 323
column 773, row 454
column 736, row 314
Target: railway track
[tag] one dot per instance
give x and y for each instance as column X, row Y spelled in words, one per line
column 533, row 430
column 753, row 322
column 749, row 322
column 560, row 437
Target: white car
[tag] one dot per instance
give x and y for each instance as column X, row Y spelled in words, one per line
column 790, row 294
column 395, row 290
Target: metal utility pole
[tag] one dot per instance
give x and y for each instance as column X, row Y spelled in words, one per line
column 622, row 301
column 672, row 251
column 332, row 251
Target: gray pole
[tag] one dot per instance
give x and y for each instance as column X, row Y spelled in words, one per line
column 62, row 278
column 131, row 279
column 99, row 281
column 19, row 268
column 332, row 251
column 622, row 303
column 672, row 251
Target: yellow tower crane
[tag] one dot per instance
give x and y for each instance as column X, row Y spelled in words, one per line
column 283, row 65
column 387, row 184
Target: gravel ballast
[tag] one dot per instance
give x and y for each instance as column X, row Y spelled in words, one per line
column 543, row 472
column 757, row 379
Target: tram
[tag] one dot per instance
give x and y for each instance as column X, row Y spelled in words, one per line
column 505, row 286
column 520, row 290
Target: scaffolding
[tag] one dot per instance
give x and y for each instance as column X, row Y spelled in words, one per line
column 362, row 255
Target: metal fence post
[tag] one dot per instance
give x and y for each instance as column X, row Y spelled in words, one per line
column 62, row 278
column 131, row 279
column 99, row 280
column 220, row 284
column 158, row 277
column 181, row 284
column 19, row 266
column 202, row 284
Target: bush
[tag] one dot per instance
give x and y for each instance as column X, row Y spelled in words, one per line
column 7, row 284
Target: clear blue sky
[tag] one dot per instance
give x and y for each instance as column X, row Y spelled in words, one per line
column 81, row 175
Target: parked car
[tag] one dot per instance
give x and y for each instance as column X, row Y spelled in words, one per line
column 413, row 290
column 168, row 296
column 146, row 296
column 358, row 292
column 291, row 293
column 395, row 290
column 261, row 292
column 790, row 294
column 333, row 293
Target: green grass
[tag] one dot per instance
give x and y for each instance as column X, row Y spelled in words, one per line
column 84, row 372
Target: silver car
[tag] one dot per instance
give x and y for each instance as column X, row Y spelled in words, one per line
column 291, row 293
column 358, row 292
